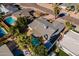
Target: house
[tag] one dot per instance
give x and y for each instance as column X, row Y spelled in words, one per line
column 50, row 31
column 11, row 7
column 3, row 9
column 70, row 43
column 23, row 12
column 4, row 51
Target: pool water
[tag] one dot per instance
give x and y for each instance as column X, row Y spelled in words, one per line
column 2, row 32
column 35, row 41
column 10, row 20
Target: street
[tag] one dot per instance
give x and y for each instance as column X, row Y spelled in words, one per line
column 34, row 5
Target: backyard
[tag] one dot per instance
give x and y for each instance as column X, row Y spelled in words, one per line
column 23, row 40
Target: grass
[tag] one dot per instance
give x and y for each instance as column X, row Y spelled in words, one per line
column 75, row 30
column 69, row 25
column 62, row 53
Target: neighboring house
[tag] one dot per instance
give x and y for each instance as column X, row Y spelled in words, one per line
column 70, row 43
column 50, row 31
column 12, row 8
column 4, row 51
column 8, row 8
column 3, row 9
column 23, row 12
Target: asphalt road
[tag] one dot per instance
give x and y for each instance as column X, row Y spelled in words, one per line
column 37, row 7
column 68, row 18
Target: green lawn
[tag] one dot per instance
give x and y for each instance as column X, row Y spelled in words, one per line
column 62, row 53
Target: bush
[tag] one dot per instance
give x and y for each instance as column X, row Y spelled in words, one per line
column 69, row 25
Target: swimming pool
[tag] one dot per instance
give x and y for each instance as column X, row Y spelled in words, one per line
column 9, row 20
column 35, row 41
column 2, row 32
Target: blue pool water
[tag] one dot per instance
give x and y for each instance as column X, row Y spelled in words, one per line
column 2, row 32
column 35, row 41
column 10, row 20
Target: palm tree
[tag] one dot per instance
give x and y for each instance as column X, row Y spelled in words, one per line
column 13, row 31
column 41, row 39
column 21, row 41
column 42, row 49
column 22, row 24
column 56, row 10
column 69, row 25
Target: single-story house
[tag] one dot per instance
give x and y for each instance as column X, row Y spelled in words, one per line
column 50, row 31
column 3, row 9
column 70, row 43
column 10, row 6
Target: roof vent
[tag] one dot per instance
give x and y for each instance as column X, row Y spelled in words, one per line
column 46, row 27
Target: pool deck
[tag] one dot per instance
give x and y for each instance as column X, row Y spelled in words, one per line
column 5, row 26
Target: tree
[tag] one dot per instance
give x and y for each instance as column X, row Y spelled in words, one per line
column 77, row 7
column 69, row 25
column 43, row 50
column 21, row 41
column 56, row 10
column 1, row 15
column 14, row 30
column 22, row 24
column 40, row 50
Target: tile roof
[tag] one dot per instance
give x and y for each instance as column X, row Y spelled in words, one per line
column 23, row 12
column 42, row 27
